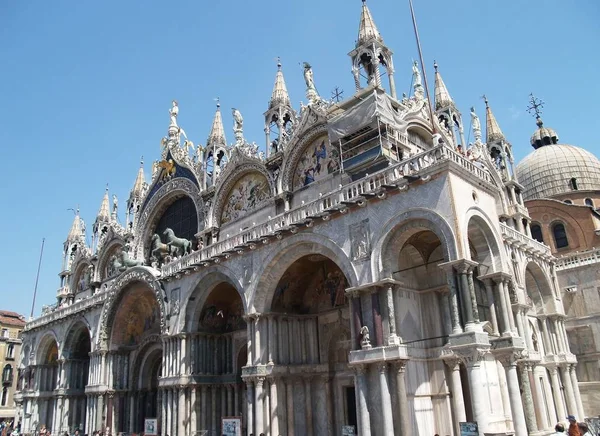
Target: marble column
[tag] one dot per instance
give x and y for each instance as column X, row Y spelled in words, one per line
column 473, row 364
column 569, row 394
column 204, row 407
column 271, row 320
column 183, row 355
column 182, row 412
column 364, row 421
column 393, row 339
column 504, row 307
column 473, row 295
column 386, row 400
column 309, row 406
column 169, row 429
column 250, row 338
column 328, row 404
column 514, row 393
column 250, row 406
column 213, row 409
column 236, row 400
column 131, row 412
column 575, row 383
column 454, row 309
column 467, row 302
column 163, row 413
column 274, row 407
column 546, row 337
column 258, row 341
column 556, row 393
column 193, row 410
column 528, row 406
column 289, row 387
column 259, row 405
column 458, row 401
column 537, row 398
column 492, row 303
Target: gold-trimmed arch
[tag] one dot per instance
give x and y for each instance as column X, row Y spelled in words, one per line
column 296, row 149
column 239, row 169
column 168, row 193
column 279, row 260
column 142, row 275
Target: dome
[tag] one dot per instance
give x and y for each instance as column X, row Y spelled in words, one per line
column 543, row 135
column 557, row 169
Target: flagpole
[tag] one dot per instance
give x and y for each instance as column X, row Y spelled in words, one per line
column 37, row 277
column 414, row 21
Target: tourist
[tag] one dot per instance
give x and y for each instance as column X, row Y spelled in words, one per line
column 560, row 429
column 573, row 427
column 584, row 429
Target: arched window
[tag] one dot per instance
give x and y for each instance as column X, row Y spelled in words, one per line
column 589, row 202
column 4, row 396
column 7, row 374
column 536, row 233
column 573, row 184
column 568, row 202
column 560, row 235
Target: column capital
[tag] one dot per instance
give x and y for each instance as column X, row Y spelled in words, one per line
column 460, row 265
column 400, row 365
column 471, row 356
column 360, row 369
column 260, row 381
column 382, row 367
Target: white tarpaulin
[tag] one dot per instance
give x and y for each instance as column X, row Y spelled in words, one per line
column 377, row 104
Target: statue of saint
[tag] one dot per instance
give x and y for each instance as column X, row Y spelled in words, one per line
column 173, row 112
column 475, row 125
column 308, row 77
column 115, row 205
column 238, row 120
column 416, row 75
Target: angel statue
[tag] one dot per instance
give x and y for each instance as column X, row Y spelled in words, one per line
column 475, row 125
column 200, row 153
column 173, row 112
column 238, row 120
column 187, row 145
column 416, row 75
column 115, row 205
column 308, row 77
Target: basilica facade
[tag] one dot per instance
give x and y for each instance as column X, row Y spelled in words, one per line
column 367, row 271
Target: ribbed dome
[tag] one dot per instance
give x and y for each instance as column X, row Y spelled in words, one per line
column 550, row 169
column 543, row 135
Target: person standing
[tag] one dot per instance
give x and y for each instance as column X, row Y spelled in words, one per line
column 573, row 427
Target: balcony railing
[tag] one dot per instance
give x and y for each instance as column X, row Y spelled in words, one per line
column 340, row 198
column 527, row 243
column 576, row 260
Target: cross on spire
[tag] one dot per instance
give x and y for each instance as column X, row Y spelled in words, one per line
column 336, row 94
column 535, row 106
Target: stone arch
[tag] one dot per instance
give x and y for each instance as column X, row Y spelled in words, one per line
column 81, row 278
column 423, row 130
column 45, row 348
column 109, row 249
column 76, row 327
column 209, row 279
column 135, row 275
column 296, row 151
column 393, row 235
column 147, row 349
column 166, row 195
column 481, row 236
column 205, row 282
column 229, row 183
column 278, row 261
column 538, row 287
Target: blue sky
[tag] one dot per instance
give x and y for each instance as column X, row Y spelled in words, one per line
column 85, row 88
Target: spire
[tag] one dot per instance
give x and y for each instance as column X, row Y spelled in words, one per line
column 104, row 212
column 442, row 96
column 492, row 129
column 280, row 94
column 367, row 29
column 77, row 228
column 217, row 132
column 140, row 181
